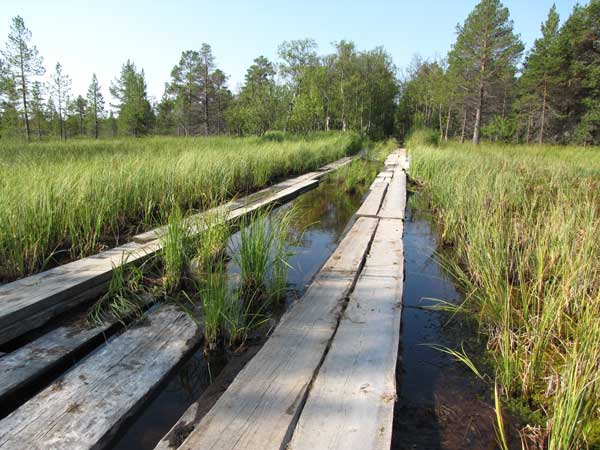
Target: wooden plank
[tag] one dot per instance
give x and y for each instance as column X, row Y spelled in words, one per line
column 20, row 368
column 156, row 233
column 394, row 203
column 371, row 205
column 30, row 302
column 259, row 409
column 85, row 407
column 351, row 403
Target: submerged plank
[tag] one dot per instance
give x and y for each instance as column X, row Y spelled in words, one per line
column 84, row 407
column 351, row 403
column 260, row 407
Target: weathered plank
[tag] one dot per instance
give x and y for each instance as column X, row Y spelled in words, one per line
column 27, row 364
column 84, row 407
column 351, row 403
column 259, row 409
column 371, row 205
column 31, row 302
column 197, row 219
column 394, row 203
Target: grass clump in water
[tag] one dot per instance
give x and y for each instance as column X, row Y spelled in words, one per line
column 262, row 255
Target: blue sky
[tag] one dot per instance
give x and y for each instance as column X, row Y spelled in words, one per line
column 98, row 36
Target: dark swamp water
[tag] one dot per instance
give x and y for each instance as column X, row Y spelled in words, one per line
column 441, row 405
column 322, row 216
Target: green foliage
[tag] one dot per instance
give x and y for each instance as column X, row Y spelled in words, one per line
column 177, row 247
column 499, row 129
column 262, row 256
column 135, row 114
column 423, row 136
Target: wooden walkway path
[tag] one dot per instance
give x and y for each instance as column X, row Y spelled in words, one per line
column 325, row 378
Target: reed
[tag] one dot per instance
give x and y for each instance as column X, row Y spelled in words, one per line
column 63, row 201
column 522, row 224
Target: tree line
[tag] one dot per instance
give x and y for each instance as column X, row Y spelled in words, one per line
column 347, row 90
column 487, row 87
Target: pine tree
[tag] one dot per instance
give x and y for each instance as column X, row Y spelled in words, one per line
column 60, row 87
column 37, row 107
column 541, row 75
column 80, row 107
column 207, row 67
column 485, row 49
column 95, row 104
column 23, row 61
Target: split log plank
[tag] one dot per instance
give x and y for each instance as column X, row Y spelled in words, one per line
column 260, row 407
column 20, row 368
column 84, row 408
column 351, row 403
column 370, row 206
column 30, row 302
column 394, row 203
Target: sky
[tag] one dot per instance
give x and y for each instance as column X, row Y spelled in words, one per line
column 98, row 36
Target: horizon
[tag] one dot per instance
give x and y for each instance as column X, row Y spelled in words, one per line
column 95, row 51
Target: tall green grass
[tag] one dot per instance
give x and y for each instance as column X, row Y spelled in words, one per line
column 524, row 225
column 62, row 201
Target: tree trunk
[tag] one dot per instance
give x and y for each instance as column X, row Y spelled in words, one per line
column 441, row 123
column 206, row 99
column 24, row 92
column 95, row 122
column 464, row 126
column 528, row 134
column 448, row 121
column 543, row 118
column 478, row 107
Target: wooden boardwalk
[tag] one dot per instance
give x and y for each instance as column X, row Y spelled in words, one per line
column 325, row 378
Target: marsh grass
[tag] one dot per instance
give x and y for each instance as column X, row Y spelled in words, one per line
column 63, row 201
column 522, row 226
column 361, row 172
column 262, row 255
column 123, row 300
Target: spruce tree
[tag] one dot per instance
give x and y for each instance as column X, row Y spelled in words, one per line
column 135, row 115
